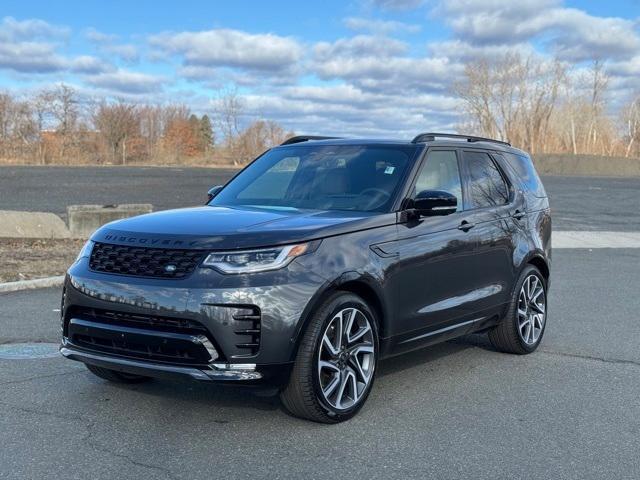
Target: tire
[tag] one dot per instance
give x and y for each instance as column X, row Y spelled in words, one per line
column 116, row 377
column 511, row 335
column 318, row 367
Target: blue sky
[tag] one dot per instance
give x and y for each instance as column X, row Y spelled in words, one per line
column 353, row 66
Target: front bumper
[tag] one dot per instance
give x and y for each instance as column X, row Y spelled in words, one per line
column 252, row 322
column 216, row 372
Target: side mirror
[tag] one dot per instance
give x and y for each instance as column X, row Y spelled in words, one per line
column 213, row 191
column 434, row 202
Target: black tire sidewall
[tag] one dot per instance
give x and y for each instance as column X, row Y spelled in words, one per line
column 341, row 302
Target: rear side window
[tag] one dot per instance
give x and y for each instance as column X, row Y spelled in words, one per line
column 526, row 172
column 486, row 186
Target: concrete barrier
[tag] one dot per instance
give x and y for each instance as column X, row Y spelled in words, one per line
column 15, row 224
column 83, row 220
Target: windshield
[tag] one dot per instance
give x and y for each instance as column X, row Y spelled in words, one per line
column 327, row 177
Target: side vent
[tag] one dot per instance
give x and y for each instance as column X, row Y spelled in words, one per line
column 249, row 329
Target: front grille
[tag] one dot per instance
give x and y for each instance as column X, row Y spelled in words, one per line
column 126, row 319
column 143, row 261
column 156, row 338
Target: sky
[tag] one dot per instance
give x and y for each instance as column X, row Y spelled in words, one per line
column 350, row 67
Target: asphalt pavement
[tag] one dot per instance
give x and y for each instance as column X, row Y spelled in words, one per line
column 578, row 203
column 457, row 410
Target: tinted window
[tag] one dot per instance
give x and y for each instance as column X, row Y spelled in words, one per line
column 440, row 172
column 327, row 177
column 486, row 186
column 525, row 170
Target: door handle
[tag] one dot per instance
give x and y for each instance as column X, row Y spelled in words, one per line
column 465, row 226
column 518, row 215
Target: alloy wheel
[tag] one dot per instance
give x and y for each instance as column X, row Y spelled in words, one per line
column 531, row 310
column 346, row 358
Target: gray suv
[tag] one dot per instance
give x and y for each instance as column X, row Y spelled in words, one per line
column 316, row 261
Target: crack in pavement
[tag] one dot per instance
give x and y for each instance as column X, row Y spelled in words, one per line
column 38, row 377
column 99, row 448
column 618, row 361
column 38, row 411
column 87, row 438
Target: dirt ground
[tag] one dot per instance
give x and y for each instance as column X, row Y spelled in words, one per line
column 24, row 259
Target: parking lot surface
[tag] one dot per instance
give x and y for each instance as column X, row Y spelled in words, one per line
column 458, row 410
column 578, row 203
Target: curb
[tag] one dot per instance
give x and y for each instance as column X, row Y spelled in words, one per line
column 30, row 284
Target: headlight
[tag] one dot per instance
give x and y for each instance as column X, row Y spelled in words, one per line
column 85, row 251
column 250, row 261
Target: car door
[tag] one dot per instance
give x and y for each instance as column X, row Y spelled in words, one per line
column 437, row 271
column 491, row 206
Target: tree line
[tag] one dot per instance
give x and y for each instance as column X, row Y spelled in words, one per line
column 539, row 105
column 55, row 127
column 547, row 107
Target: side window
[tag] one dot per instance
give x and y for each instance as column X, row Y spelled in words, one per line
column 486, row 186
column 440, row 172
column 523, row 166
column 273, row 184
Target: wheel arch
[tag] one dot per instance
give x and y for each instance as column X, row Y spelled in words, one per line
column 363, row 286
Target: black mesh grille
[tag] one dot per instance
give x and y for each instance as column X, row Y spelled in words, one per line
column 144, row 262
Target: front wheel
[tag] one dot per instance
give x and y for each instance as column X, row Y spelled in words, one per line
column 336, row 361
column 521, row 330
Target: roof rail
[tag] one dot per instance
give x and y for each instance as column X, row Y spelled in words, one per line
column 304, row 138
column 430, row 137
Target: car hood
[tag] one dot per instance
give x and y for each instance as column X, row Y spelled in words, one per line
column 235, row 227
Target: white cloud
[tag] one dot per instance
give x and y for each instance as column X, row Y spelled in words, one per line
column 358, row 47
column 397, row 4
column 459, row 50
column 231, row 48
column 12, row 30
column 95, row 36
column 89, row 65
column 125, row 81
column 568, row 33
column 127, row 52
column 380, row 26
column 30, row 57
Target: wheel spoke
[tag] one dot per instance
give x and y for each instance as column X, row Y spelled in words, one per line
column 326, row 342
column 333, row 384
column 364, row 373
column 351, row 375
column 344, row 378
column 359, row 334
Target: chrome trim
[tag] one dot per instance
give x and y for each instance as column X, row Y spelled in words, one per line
column 219, row 371
column 445, row 329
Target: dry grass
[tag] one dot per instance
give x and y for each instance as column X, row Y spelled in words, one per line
column 25, row 259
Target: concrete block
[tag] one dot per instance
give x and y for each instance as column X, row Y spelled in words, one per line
column 83, row 220
column 14, row 224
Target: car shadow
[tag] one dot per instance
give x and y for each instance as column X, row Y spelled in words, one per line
column 423, row 356
column 200, row 395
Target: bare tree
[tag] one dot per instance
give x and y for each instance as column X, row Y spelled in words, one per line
column 511, row 97
column 41, row 106
column 631, row 121
column 65, row 111
column 228, row 112
column 116, row 123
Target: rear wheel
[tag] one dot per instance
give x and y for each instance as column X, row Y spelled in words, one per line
column 336, row 361
column 521, row 330
column 114, row 376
